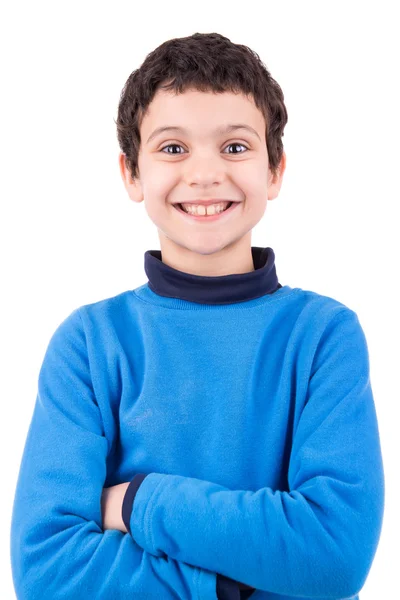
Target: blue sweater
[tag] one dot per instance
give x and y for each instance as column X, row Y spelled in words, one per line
column 240, row 410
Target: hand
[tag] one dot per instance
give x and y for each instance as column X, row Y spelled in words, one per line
column 111, row 507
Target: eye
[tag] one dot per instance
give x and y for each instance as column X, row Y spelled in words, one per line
column 236, row 144
column 171, row 146
column 178, row 146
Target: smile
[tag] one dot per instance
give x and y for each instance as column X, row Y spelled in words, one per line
column 208, row 218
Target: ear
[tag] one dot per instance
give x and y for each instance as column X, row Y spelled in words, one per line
column 132, row 185
column 275, row 181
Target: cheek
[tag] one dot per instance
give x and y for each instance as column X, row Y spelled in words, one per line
column 252, row 179
column 159, row 211
column 161, row 190
column 153, row 209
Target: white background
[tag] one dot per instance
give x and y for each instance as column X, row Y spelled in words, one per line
column 71, row 236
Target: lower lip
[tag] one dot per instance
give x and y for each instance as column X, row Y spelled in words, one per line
column 207, row 218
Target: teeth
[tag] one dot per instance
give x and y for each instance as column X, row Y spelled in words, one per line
column 199, row 209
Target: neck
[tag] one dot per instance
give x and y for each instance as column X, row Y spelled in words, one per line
column 234, row 259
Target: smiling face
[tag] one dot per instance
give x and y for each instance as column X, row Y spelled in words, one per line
column 202, row 161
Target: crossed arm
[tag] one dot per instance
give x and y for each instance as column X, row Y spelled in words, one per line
column 111, row 512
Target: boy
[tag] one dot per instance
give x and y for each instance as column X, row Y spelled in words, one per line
column 212, row 433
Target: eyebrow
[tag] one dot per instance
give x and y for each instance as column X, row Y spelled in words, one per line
column 218, row 131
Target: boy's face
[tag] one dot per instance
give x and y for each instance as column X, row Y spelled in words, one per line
column 203, row 166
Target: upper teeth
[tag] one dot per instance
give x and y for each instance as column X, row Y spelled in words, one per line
column 200, row 209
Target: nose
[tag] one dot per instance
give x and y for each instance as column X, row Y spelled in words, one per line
column 205, row 170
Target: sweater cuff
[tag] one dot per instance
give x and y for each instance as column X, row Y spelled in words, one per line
column 244, row 594
column 127, row 504
column 227, row 589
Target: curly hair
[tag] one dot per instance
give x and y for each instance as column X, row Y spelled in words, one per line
column 203, row 62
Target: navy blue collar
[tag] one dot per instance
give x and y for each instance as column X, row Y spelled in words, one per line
column 225, row 289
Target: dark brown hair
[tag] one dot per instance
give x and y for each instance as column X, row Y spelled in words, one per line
column 203, row 62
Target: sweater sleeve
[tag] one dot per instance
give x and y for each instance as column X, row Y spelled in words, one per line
column 226, row 589
column 319, row 538
column 57, row 541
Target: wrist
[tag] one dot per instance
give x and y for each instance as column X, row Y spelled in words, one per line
column 111, row 504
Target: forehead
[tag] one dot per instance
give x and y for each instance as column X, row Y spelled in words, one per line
column 201, row 112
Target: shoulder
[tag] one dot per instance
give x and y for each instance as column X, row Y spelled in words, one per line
column 321, row 308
